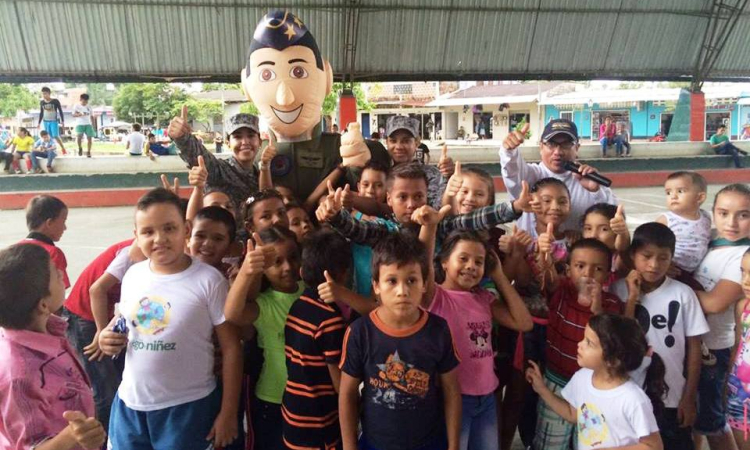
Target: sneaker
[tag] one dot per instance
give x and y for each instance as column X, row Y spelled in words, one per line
column 18, row 172
column 38, row 170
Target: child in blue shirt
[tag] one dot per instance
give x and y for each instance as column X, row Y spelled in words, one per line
column 44, row 147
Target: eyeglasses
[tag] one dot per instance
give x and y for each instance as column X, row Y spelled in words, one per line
column 567, row 146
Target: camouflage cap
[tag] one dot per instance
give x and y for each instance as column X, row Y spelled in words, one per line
column 396, row 123
column 238, row 121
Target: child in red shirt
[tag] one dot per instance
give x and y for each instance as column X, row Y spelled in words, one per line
column 45, row 219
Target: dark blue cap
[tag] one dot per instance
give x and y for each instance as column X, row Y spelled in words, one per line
column 279, row 30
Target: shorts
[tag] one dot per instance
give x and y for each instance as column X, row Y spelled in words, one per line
column 183, row 427
column 711, row 407
column 52, row 127
column 738, row 403
column 88, row 130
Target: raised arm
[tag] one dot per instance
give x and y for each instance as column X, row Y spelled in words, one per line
column 265, row 180
column 239, row 309
column 509, row 311
column 197, row 177
column 428, row 219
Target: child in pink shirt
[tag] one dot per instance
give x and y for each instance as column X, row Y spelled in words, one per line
column 46, row 401
column 469, row 311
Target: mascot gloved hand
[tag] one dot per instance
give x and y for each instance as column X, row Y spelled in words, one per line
column 354, row 150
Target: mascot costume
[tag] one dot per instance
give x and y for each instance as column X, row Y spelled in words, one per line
column 287, row 79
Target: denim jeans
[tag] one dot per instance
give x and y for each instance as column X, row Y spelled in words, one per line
column 712, row 409
column 730, row 150
column 620, row 142
column 478, row 422
column 605, row 142
column 46, row 154
column 105, row 375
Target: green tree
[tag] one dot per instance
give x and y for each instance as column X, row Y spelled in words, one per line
column 207, row 87
column 14, row 97
column 202, row 111
column 150, row 102
column 249, row 108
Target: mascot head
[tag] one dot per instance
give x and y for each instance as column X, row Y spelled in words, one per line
column 286, row 77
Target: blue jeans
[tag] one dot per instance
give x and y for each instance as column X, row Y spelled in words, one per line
column 105, row 375
column 711, row 384
column 620, row 142
column 36, row 154
column 605, row 143
column 478, row 422
column 730, row 150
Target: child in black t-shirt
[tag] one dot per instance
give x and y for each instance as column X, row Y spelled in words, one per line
column 405, row 356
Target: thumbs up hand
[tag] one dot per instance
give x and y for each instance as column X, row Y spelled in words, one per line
column 427, row 216
column 524, row 201
column 268, row 153
column 347, row 198
column 329, row 291
column 544, row 243
column 445, row 164
column 516, row 138
column 618, row 224
column 198, row 175
column 179, row 126
column 332, row 204
column 255, row 258
column 455, row 181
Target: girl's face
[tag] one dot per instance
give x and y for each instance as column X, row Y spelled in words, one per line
column 22, row 134
column 745, row 268
column 299, row 223
column 209, row 241
column 596, row 226
column 590, row 354
column 244, row 143
column 219, row 199
column 268, row 212
column 732, row 216
column 283, row 273
column 474, row 194
column 464, row 267
column 372, row 185
column 555, row 203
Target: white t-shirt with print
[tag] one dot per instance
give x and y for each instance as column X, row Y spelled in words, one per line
column 85, row 117
column 693, row 237
column 170, row 355
column 669, row 315
column 609, row 418
column 721, row 263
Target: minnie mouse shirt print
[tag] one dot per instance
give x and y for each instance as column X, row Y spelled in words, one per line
column 470, row 319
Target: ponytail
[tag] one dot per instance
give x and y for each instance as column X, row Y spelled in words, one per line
column 655, row 387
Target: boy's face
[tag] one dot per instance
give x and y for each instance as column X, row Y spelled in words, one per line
column 84, row 102
column 161, row 233
column 57, row 226
column 590, row 354
column 220, row 199
column 405, row 196
column 372, row 185
column 683, row 196
column 472, row 195
column 400, row 288
column 244, row 143
column 45, row 138
column 732, row 216
column 589, row 263
column 209, row 241
column 555, row 204
column 299, row 223
column 597, row 226
column 151, row 139
column 556, row 151
column 46, row 95
column 268, row 212
column 402, row 146
column 652, row 262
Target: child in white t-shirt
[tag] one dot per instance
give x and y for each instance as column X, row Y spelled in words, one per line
column 719, row 273
column 609, row 409
column 135, row 141
column 670, row 315
column 172, row 304
column 686, row 192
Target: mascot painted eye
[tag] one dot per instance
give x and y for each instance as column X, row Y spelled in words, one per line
column 298, row 72
column 267, row 75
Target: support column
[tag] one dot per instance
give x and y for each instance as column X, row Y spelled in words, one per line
column 697, row 116
column 347, row 109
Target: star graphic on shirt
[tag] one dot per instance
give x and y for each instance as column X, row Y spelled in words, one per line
column 290, row 31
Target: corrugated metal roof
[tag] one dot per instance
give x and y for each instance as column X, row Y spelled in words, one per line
column 395, row 40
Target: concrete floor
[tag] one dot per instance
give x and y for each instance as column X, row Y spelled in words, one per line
column 91, row 230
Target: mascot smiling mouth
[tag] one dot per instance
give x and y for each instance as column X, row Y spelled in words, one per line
column 288, row 117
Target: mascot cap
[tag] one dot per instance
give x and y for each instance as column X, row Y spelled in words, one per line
column 281, row 29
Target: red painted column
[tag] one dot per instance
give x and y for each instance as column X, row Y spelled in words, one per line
column 697, row 116
column 347, row 109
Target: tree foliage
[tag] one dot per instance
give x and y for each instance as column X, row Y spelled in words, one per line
column 204, row 111
column 150, row 101
column 15, row 97
column 249, row 108
column 332, row 99
column 207, row 87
